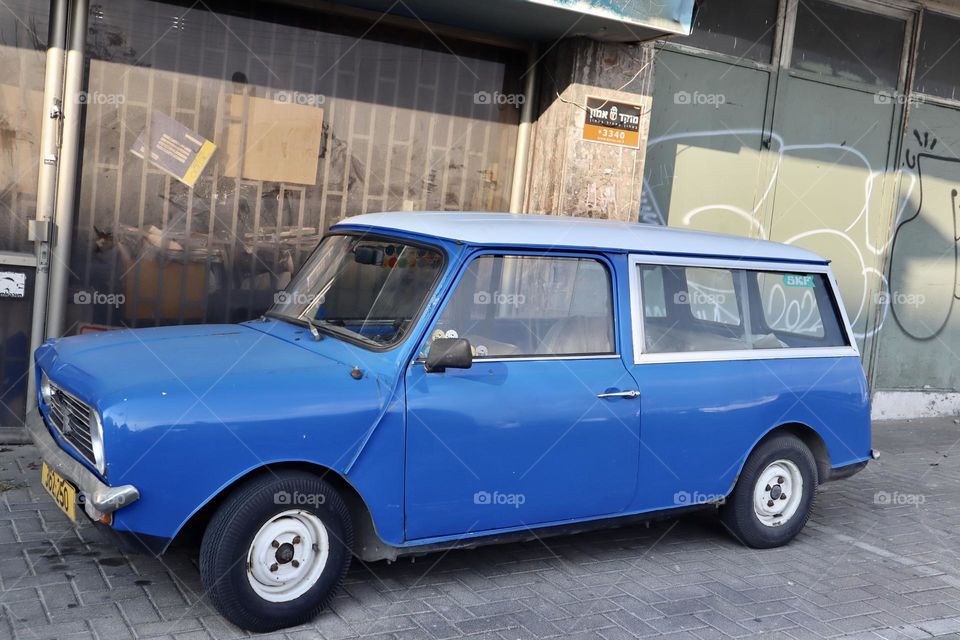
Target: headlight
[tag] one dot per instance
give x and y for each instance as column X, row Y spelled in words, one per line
column 46, row 391
column 96, row 439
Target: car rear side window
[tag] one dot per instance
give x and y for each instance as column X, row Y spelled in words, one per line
column 698, row 309
column 796, row 308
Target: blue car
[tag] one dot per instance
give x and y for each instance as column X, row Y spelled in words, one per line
column 436, row 380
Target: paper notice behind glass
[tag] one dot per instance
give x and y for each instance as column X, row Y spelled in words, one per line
column 174, row 148
column 272, row 141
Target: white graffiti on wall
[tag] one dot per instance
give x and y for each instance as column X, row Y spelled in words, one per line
column 859, row 238
column 918, row 233
column 792, row 313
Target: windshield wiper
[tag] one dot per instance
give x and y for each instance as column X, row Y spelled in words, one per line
column 325, row 326
column 303, row 322
column 343, row 331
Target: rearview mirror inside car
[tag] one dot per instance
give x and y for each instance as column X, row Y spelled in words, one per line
column 368, row 255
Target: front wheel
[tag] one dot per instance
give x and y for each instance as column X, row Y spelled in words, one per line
column 276, row 551
column 774, row 494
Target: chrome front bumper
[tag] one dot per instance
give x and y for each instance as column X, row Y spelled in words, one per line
column 101, row 497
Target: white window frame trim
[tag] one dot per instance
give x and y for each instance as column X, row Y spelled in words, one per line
column 636, row 312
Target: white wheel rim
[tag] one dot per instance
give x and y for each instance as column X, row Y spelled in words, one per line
column 778, row 493
column 287, row 555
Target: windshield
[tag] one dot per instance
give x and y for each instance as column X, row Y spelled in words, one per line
column 366, row 289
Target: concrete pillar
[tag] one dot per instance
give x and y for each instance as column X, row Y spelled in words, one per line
column 569, row 175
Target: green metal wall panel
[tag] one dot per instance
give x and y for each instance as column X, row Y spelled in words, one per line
column 819, row 176
column 832, row 193
column 704, row 161
column 920, row 334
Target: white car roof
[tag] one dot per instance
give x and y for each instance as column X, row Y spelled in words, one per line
column 524, row 230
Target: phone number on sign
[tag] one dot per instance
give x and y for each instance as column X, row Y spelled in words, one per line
column 612, row 133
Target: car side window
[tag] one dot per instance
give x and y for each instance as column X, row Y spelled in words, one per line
column 694, row 309
column 523, row 306
column 654, row 303
column 712, row 295
column 702, row 310
column 795, row 309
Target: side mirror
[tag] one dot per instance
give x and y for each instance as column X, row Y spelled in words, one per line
column 453, row 353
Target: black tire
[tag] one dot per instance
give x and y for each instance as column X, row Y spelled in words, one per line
column 738, row 513
column 230, row 533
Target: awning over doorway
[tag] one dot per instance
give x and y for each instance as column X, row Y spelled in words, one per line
column 614, row 20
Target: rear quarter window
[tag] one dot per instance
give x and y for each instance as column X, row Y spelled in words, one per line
column 797, row 308
column 701, row 309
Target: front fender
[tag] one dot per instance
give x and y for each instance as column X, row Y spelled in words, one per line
column 193, row 450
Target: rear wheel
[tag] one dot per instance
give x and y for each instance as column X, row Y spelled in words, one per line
column 774, row 495
column 276, row 551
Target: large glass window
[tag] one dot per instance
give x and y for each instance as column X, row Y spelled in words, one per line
column 847, row 44
column 688, row 309
column 221, row 140
column 23, row 38
column 510, row 306
column 938, row 57
column 744, row 29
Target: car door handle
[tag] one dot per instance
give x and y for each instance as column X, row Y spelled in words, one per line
column 633, row 393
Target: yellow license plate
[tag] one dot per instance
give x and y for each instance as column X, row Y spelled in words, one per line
column 63, row 493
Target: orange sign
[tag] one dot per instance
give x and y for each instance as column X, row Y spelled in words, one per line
column 612, row 122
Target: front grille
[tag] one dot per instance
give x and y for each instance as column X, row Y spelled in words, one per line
column 73, row 419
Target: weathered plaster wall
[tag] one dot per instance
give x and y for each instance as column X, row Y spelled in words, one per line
column 570, row 176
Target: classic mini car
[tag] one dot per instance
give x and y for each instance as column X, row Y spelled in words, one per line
column 430, row 380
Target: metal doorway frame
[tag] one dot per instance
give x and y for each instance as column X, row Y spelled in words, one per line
column 42, row 230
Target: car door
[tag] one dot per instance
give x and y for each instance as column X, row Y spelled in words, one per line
column 544, row 426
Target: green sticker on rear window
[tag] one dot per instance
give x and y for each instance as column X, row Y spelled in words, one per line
column 797, row 280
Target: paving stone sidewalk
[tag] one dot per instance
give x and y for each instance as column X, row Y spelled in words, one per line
column 879, row 559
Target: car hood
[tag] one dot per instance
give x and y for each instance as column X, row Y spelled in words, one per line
column 238, row 396
column 192, row 361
